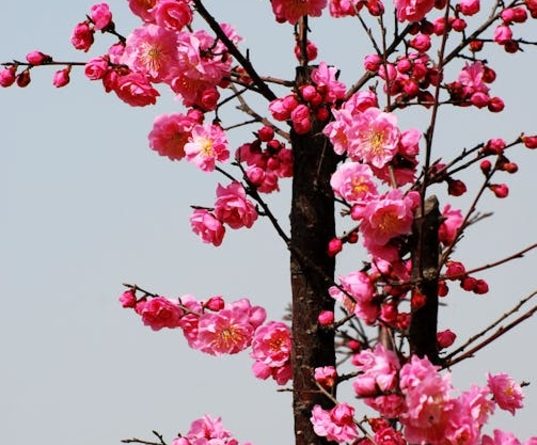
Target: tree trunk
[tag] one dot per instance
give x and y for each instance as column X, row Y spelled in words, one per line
column 425, row 257
column 312, row 271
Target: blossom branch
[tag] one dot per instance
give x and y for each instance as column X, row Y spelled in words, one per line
column 234, row 51
column 490, row 327
column 145, row 442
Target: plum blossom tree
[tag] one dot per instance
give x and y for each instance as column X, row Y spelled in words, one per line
column 351, row 162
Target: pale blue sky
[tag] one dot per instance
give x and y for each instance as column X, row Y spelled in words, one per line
column 87, row 206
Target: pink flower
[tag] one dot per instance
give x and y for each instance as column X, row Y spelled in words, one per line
column 291, row 10
column 159, row 312
column 142, row 8
column 271, row 350
column 503, row 34
column 325, row 79
column 207, row 145
column 82, row 37
column 96, row 68
column 232, row 207
column 413, row 10
column 390, row 406
column 128, row 299
column 361, row 301
column 507, row 393
column 172, row 14
column 387, row 217
column 388, row 436
column 373, row 137
column 326, row 376
column 207, row 431
column 452, row 222
column 338, row 130
column 378, row 371
column 152, row 50
column 469, row 7
column 428, row 403
column 342, row 8
column 37, row 58
column 169, row 135
column 61, row 77
column 471, row 78
column 225, row 332
column 353, row 182
column 207, row 227
column 7, row 76
column 100, row 16
column 337, row 424
column 135, row 90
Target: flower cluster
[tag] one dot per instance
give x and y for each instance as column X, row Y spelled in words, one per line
column 207, row 431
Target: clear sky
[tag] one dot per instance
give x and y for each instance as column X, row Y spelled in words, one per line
column 86, row 206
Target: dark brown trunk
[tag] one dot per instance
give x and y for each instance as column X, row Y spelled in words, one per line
column 312, row 270
column 425, row 257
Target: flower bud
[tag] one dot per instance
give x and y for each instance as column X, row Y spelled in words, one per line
column 265, row 133
column 61, row 77
column 456, row 187
column 8, row 76
column 530, row 141
column 215, row 304
column 128, row 299
column 37, row 58
column 481, row 287
column 445, row 338
column 335, row 246
column 326, row 318
column 23, row 79
column 500, row 190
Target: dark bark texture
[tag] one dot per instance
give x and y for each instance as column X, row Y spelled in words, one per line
column 312, row 271
column 425, row 258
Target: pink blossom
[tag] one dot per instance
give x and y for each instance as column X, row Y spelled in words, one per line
column 100, row 16
column 172, row 14
column 169, row 135
column 324, row 77
column 37, row 58
column 378, row 368
column 152, row 51
column 301, row 119
column 387, row 217
column 471, row 78
column 413, row 10
column 271, row 350
column 232, row 207
column 7, row 76
column 428, row 403
column 507, row 393
column 128, row 299
column 374, row 137
column 206, row 145
column 445, row 338
column 96, row 68
column 82, row 37
column 500, row 438
column 207, row 226
column 388, row 436
column 503, row 34
column 469, row 7
column 135, row 90
column 115, row 52
column 159, row 312
column 353, row 182
column 361, row 290
column 338, row 130
column 326, row 376
column 225, row 332
column 360, row 101
column 189, row 321
column 342, row 8
column 61, row 77
column 143, row 9
column 390, row 406
column 452, row 222
column 207, row 431
column 337, row 424
column 291, row 10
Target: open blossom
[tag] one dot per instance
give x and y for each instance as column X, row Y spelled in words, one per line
column 353, row 182
column 413, row 10
column 324, row 77
column 170, row 133
column 374, row 137
column 159, row 312
column 207, row 145
column 337, row 424
column 507, row 393
column 152, row 51
column 359, row 286
column 471, row 78
column 386, row 217
column 378, row 368
column 452, row 222
column 291, row 10
column 207, row 226
column 271, row 350
column 207, row 431
column 225, row 332
column 326, row 376
column 136, row 90
column 172, row 14
column 427, row 396
column 232, row 207
column 504, row 438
